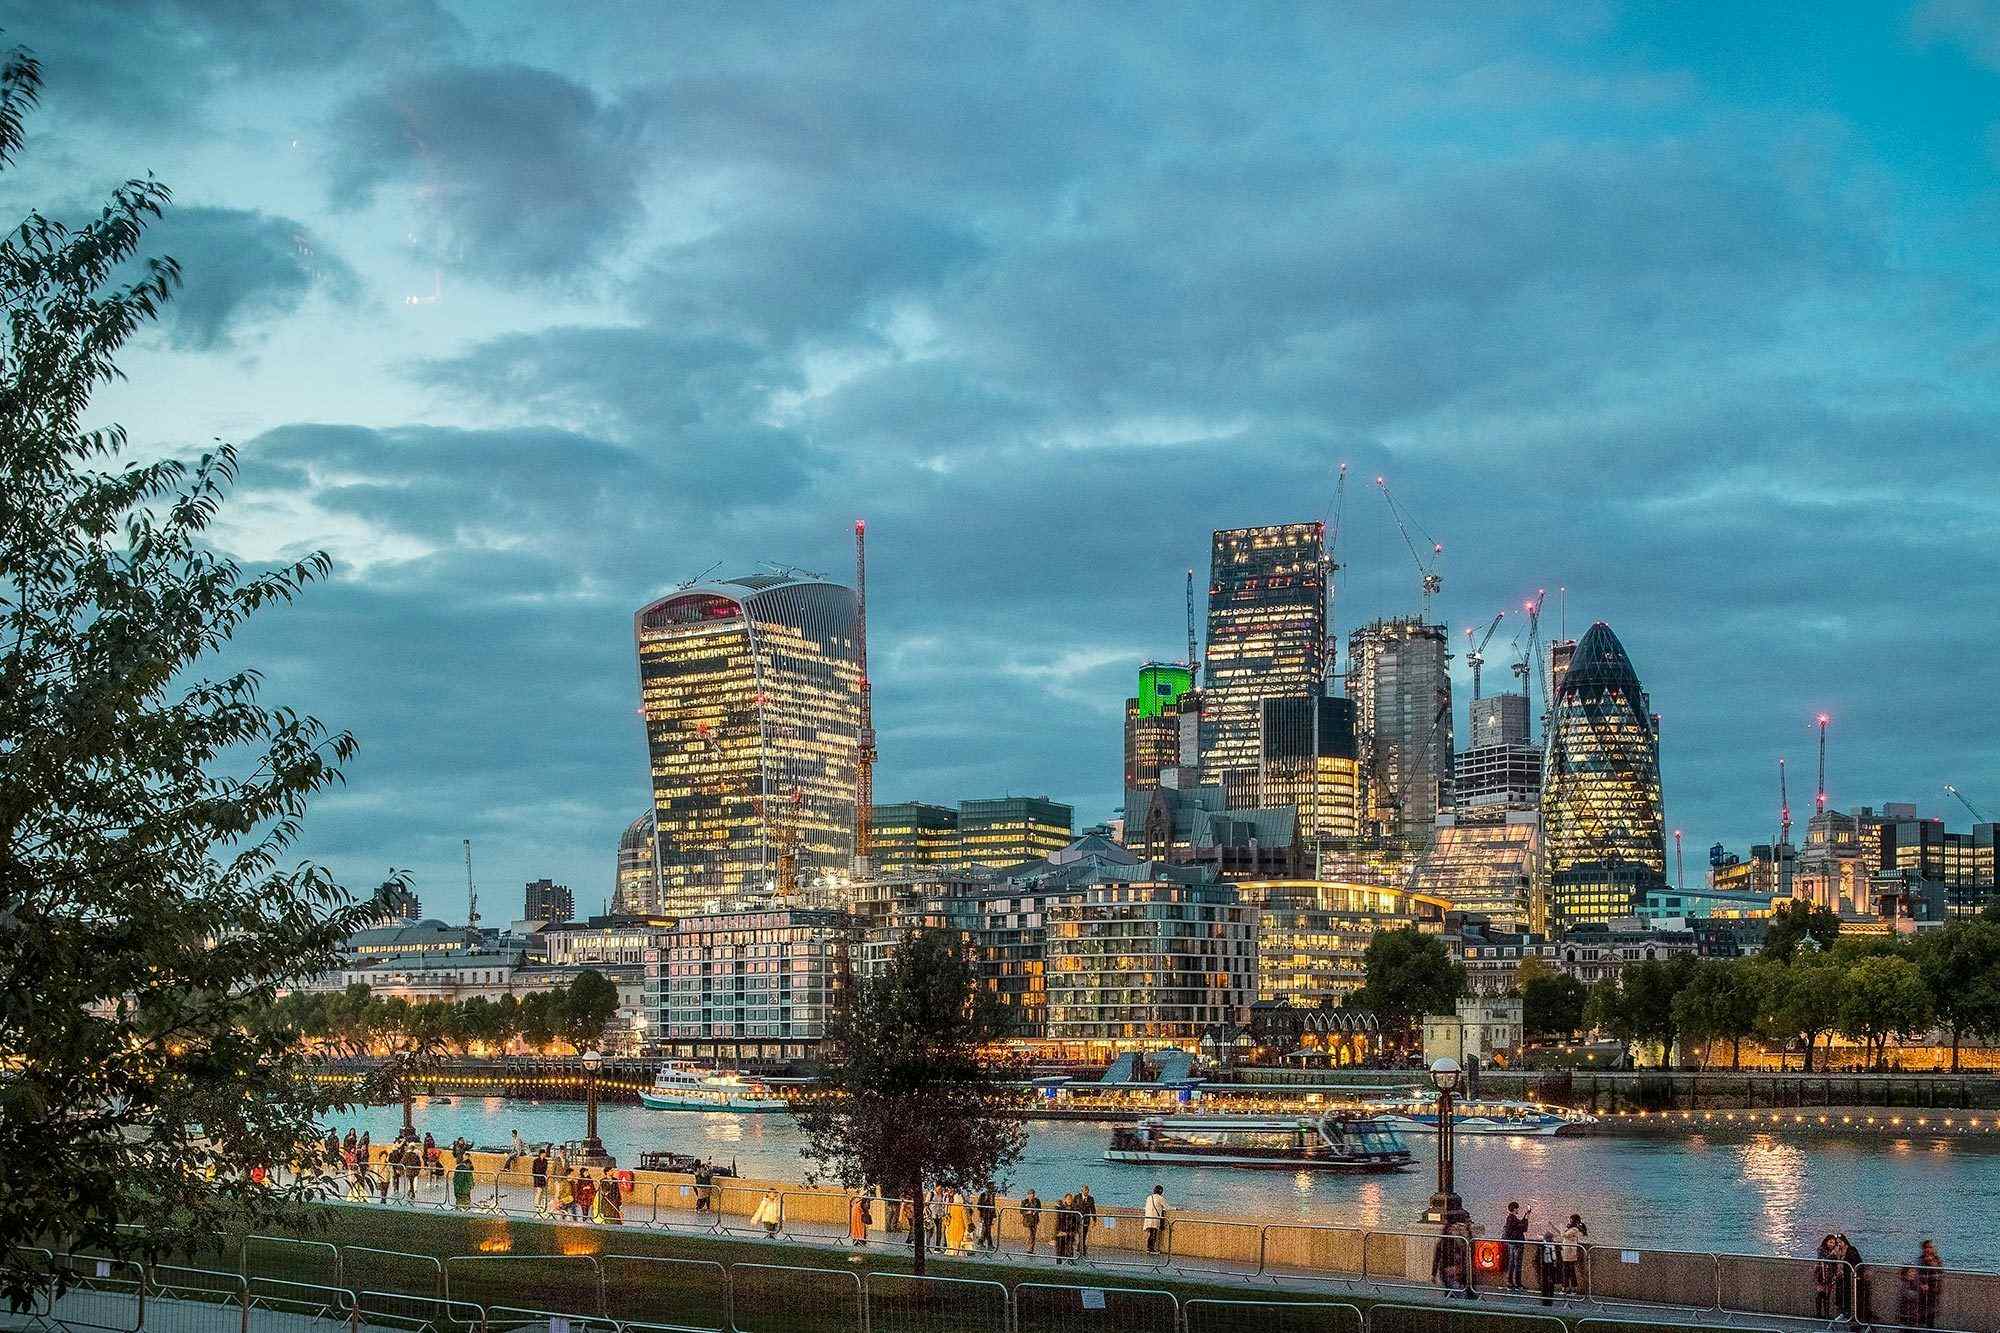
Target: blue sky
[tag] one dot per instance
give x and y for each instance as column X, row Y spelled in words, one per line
column 527, row 315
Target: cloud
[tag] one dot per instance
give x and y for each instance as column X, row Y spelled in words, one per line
column 517, row 172
column 1971, row 25
column 239, row 268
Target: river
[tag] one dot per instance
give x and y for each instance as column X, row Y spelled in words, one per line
column 1735, row 1191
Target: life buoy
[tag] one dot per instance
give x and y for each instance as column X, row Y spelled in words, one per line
column 1487, row 1254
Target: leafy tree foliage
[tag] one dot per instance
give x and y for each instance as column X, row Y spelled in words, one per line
column 1802, row 1001
column 1552, row 1003
column 1883, row 997
column 588, row 1005
column 1799, row 924
column 913, row 1100
column 147, row 915
column 1960, row 963
column 1722, row 1002
column 1409, row 975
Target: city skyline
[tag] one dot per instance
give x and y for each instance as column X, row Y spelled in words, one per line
column 529, row 324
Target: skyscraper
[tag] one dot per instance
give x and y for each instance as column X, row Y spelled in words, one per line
column 546, row 900
column 1003, row 831
column 1601, row 809
column 751, row 692
column 1313, row 763
column 636, row 888
column 1398, row 678
column 1153, row 723
column 1266, row 636
column 1500, row 767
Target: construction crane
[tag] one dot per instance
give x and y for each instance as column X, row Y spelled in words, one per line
column 1784, row 810
column 1475, row 656
column 1333, row 568
column 1431, row 581
column 1680, row 866
column 1977, row 813
column 1194, row 642
column 864, row 736
column 1530, row 661
column 471, row 895
column 1819, row 797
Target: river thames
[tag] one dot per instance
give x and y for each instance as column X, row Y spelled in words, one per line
column 1737, row 1191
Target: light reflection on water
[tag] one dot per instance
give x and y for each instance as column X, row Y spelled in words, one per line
column 1756, row 1192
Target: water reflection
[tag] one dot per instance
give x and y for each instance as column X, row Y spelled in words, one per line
column 1776, row 1173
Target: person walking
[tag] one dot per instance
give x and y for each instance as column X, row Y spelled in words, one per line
column 611, row 1200
column 1548, row 1265
column 1086, row 1215
column 769, row 1213
column 538, row 1173
column 1515, row 1232
column 857, row 1220
column 1064, row 1232
column 1930, row 1284
column 1156, row 1218
column 586, row 1194
column 461, row 1182
column 1031, row 1217
column 938, row 1202
column 1572, row 1255
column 989, row 1216
column 703, row 1179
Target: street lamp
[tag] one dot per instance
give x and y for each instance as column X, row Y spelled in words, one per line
column 1447, row 1209
column 593, row 1147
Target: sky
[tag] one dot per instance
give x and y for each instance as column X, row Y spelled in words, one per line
column 527, row 314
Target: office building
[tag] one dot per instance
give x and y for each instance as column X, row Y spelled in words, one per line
column 1485, row 861
column 636, row 886
column 1601, row 807
column 1312, row 763
column 1196, row 827
column 1266, row 636
column 1004, row 831
column 1313, row 937
column 1399, row 679
column 1500, row 767
column 1492, row 955
column 395, row 903
column 1832, row 872
column 1599, row 950
column 617, row 940
column 1153, row 723
column 747, row 988
column 751, row 692
column 915, row 836
column 546, row 900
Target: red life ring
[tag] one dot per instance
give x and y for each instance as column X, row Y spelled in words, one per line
column 1486, row 1255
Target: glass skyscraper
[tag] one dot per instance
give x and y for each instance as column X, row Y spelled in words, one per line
column 1602, row 819
column 751, row 690
column 1266, row 636
column 1399, row 678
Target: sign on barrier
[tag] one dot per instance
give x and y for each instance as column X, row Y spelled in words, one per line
column 906, row 1303
column 1676, row 1279
column 681, row 1293
column 1041, row 1307
column 766, row 1298
column 1206, row 1316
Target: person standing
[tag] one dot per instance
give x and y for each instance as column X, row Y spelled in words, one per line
column 1548, row 1262
column 515, row 1152
column 857, row 1220
column 1515, row 1232
column 586, row 1194
column 1156, row 1218
column 1864, row 1303
column 957, row 1225
column 1031, row 1217
column 1826, row 1272
column 938, row 1202
column 461, row 1182
column 538, row 1173
column 989, row 1216
column 769, row 1213
column 1572, row 1255
column 1064, row 1231
column 1086, row 1214
column 1930, row 1284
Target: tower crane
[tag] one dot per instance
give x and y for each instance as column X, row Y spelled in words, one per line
column 1784, row 811
column 1530, row 663
column 1431, row 581
column 1333, row 568
column 1475, row 656
column 864, row 736
column 1819, row 797
column 1976, row 812
column 1194, row 647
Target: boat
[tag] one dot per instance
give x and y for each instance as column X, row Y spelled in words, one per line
column 1329, row 1142
column 684, row 1087
column 1416, row 1112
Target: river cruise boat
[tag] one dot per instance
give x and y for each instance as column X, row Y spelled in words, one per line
column 1330, row 1142
column 1416, row 1112
column 684, row 1087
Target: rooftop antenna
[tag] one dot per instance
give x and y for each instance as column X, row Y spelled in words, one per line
column 1333, row 568
column 1784, row 809
column 1562, row 607
column 701, row 577
column 864, row 750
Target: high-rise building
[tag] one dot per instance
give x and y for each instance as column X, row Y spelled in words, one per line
column 914, row 835
column 752, row 697
column 1266, row 636
column 546, row 900
column 636, row 887
column 1153, row 723
column 1004, row 831
column 1312, row 762
column 1500, row 767
column 1485, row 861
column 1498, row 719
column 1601, row 807
column 1399, row 679
column 395, row 902
column 747, row 987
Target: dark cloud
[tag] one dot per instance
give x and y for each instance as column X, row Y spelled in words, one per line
column 521, row 172
column 240, row 268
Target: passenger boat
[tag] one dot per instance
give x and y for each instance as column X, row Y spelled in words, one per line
column 1416, row 1112
column 683, row 1087
column 1330, row 1142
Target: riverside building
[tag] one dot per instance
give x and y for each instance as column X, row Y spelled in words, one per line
column 753, row 987
column 751, row 691
column 636, row 887
column 1601, row 808
column 1266, row 636
column 1313, row 937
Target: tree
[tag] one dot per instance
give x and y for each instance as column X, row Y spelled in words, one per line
column 1552, row 1003
column 1720, row 1003
column 911, row 1100
column 148, row 907
column 1606, row 1012
column 1884, row 997
column 1409, row 975
column 1648, row 989
column 1960, row 965
column 1802, row 1001
column 1797, row 922
column 585, row 1007
column 540, row 1019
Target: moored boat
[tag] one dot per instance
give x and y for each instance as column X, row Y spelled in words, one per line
column 684, row 1087
column 1418, row 1113
column 1329, row 1142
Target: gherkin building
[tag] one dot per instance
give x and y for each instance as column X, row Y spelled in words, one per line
column 1601, row 811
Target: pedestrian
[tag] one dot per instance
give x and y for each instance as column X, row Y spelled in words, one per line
column 559, row 1182
column 434, row 1163
column 1864, row 1296
column 906, row 1221
column 1572, row 1255
column 768, row 1214
column 586, row 1195
column 1826, row 1275
column 857, row 1220
column 1515, row 1232
column 1031, row 1217
column 702, row 1177
column 461, row 1183
column 1065, row 1228
column 349, row 1142
column 1448, row 1264
column 1156, row 1218
column 1086, row 1215
column 1930, row 1284
column 938, row 1203
column 1548, row 1263
column 611, row 1200
column 538, row 1172
column 515, row 1153
column 957, row 1223
column 989, row 1214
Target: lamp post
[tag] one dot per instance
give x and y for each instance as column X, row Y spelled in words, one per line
column 593, row 1147
column 1447, row 1209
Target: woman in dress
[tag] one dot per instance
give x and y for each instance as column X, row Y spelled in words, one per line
column 955, row 1223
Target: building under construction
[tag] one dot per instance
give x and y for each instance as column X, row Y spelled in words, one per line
column 1399, row 678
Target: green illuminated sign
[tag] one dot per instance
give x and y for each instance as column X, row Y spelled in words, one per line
column 1160, row 686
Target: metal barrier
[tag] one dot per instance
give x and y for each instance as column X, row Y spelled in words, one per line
column 735, row 1205
column 1764, row 1284
column 1209, row 1245
column 1388, row 1318
column 906, row 1303
column 677, row 1293
column 1302, row 1250
column 99, row 1293
column 417, row 1314
column 1596, row 1324
column 314, row 1304
column 1041, row 1307
column 472, row 1290
column 1218, row 1316
column 1412, row 1258
column 254, row 1243
column 1955, row 1298
column 1675, row 1279
column 519, row 1319
column 436, row 1269
column 769, row 1296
